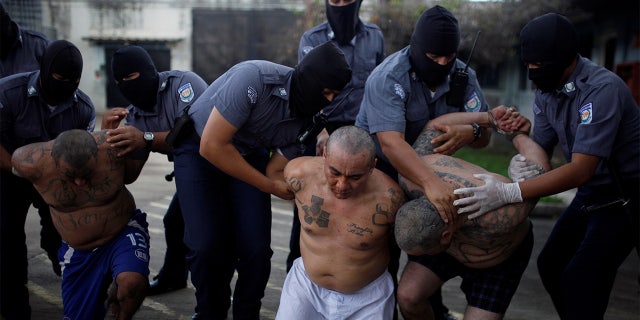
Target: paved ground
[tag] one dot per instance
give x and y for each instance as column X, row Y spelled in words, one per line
column 153, row 195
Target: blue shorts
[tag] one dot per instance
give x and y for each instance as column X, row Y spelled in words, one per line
column 489, row 289
column 86, row 275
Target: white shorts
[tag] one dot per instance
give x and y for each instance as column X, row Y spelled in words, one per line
column 303, row 299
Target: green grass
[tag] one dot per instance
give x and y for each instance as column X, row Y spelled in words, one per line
column 494, row 161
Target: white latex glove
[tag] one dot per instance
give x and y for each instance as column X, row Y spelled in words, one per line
column 493, row 194
column 520, row 169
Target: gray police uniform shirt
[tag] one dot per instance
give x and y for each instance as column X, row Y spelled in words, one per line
column 254, row 97
column 25, row 54
column 396, row 100
column 176, row 90
column 593, row 114
column 363, row 53
column 25, row 118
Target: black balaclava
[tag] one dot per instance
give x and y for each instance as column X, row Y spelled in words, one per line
column 551, row 40
column 435, row 32
column 323, row 67
column 8, row 32
column 344, row 20
column 64, row 58
column 142, row 92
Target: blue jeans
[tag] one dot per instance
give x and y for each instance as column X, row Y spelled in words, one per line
column 227, row 227
column 580, row 259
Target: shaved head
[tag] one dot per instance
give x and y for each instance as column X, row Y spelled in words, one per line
column 418, row 226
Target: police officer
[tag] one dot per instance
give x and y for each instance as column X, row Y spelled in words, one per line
column 590, row 112
column 413, row 86
column 223, row 181
column 363, row 47
column 34, row 107
column 157, row 100
column 21, row 50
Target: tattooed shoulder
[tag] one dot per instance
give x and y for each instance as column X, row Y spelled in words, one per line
column 295, row 184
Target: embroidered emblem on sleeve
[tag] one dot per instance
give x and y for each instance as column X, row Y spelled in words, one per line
column 252, row 94
column 586, row 113
column 186, row 93
column 473, row 104
column 397, row 89
column 306, row 49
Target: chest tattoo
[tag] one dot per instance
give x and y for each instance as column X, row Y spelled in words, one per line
column 314, row 213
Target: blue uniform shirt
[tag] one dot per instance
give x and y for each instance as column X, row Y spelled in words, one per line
column 396, row 100
column 25, row 118
column 176, row 90
column 254, row 97
column 593, row 114
column 25, row 54
column 363, row 53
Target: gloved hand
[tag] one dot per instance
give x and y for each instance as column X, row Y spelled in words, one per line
column 493, row 194
column 520, row 169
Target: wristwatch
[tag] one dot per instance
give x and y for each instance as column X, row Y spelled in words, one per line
column 477, row 132
column 148, row 138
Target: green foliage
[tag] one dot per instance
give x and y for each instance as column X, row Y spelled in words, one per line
column 494, row 161
column 489, row 159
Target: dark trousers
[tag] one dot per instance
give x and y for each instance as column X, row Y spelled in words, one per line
column 174, row 269
column 15, row 199
column 227, row 227
column 580, row 259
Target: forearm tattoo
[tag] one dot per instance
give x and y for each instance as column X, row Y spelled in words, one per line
column 423, row 145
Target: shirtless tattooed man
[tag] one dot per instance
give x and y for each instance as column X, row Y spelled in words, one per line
column 105, row 239
column 346, row 208
column 489, row 253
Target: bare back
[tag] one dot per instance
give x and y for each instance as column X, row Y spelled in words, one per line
column 86, row 215
column 343, row 242
column 489, row 239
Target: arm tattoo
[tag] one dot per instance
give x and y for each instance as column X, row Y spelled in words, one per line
column 423, row 145
column 295, row 184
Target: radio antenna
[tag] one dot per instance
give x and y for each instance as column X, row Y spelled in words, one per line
column 471, row 53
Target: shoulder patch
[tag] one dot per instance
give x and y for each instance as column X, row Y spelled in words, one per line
column 306, row 49
column 252, row 95
column 473, row 104
column 186, row 93
column 586, row 113
column 397, row 89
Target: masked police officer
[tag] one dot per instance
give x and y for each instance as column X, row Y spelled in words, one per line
column 157, row 100
column 34, row 107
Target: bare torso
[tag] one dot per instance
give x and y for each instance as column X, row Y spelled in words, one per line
column 88, row 215
column 489, row 239
column 344, row 242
